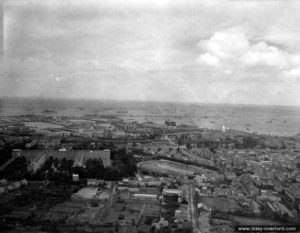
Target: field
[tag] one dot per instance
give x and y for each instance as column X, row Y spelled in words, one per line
column 42, row 125
column 173, row 168
column 221, row 204
column 255, row 221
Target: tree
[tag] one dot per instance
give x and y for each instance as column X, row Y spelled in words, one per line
column 100, row 170
column 112, row 173
column 66, row 165
column 95, row 168
column 164, row 230
column 55, row 162
column 63, row 140
column 125, row 163
column 81, row 171
column 121, row 217
column 47, row 164
column 181, row 140
column 189, row 146
column 94, row 203
column 90, row 167
column 249, row 142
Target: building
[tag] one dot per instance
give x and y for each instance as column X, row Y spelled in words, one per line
column 159, row 225
column 221, row 192
column 144, row 196
column 200, row 179
column 172, row 192
column 37, row 163
column 16, row 153
column 78, row 161
column 75, row 177
column 94, row 182
column 277, row 207
column 85, row 193
column 79, row 156
column 182, row 213
column 3, row 182
column 124, row 194
column 170, row 123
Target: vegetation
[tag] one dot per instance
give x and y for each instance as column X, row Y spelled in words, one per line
column 123, row 165
column 17, row 170
column 5, row 151
column 94, row 203
column 189, row 163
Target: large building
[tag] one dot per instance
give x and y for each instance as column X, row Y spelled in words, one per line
column 172, row 192
column 170, row 123
column 79, row 156
column 36, row 163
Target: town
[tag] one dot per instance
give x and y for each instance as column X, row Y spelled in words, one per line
column 138, row 116
column 111, row 173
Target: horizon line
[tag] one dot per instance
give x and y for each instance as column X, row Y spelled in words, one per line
column 45, row 98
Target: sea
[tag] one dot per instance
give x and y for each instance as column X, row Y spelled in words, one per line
column 275, row 120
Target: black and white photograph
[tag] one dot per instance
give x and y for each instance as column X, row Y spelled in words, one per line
column 149, row 116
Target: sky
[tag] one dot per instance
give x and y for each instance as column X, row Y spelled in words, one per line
column 202, row 51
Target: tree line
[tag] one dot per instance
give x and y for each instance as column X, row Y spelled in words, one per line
column 123, row 165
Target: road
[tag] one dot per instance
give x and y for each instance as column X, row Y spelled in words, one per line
column 192, row 207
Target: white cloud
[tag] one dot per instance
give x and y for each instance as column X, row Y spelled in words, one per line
column 225, row 44
column 235, row 48
column 209, row 59
column 263, row 54
column 294, row 72
column 139, row 49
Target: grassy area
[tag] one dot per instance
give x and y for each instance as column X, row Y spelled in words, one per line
column 170, row 167
column 220, row 204
column 255, row 221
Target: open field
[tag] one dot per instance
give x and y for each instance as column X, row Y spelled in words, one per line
column 221, row 204
column 42, row 125
column 173, row 168
column 255, row 221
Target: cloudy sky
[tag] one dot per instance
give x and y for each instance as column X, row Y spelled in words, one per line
column 207, row 51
